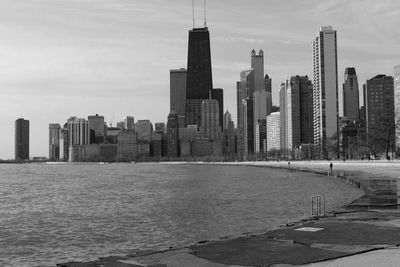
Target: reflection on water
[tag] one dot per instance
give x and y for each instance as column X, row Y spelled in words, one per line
column 58, row 213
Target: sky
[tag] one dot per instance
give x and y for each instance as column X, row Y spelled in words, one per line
column 63, row 58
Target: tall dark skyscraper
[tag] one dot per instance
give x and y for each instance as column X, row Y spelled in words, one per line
column 199, row 75
column 380, row 116
column 21, row 139
column 350, row 95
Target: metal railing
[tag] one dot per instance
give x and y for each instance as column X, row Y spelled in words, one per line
column 318, row 205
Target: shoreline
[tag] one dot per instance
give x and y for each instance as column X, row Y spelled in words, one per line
column 129, row 259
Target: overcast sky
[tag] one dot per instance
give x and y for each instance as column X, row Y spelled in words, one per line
column 62, row 58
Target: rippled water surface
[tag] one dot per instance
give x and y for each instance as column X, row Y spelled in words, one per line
column 57, row 213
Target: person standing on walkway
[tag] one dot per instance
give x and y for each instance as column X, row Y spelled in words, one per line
column 330, row 168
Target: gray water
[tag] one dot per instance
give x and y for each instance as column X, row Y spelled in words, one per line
column 57, row 213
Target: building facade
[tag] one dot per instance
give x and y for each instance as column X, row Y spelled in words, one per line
column 127, row 145
column 199, row 74
column 129, row 122
column 273, row 131
column 144, row 128
column 21, row 139
column 351, row 96
column 177, row 87
column 218, row 94
column 325, row 92
column 54, row 141
column 173, row 135
column 380, row 116
column 96, row 129
column 282, row 117
column 397, row 102
column 257, row 63
column 210, row 126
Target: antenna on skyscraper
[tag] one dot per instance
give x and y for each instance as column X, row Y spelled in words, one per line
column 205, row 22
column 193, row 12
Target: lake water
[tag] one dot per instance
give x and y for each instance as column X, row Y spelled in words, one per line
column 58, row 213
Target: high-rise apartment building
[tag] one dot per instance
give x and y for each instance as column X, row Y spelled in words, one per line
column 282, row 117
column 129, row 122
column 177, row 87
column 268, row 89
column 121, row 125
column 96, row 129
column 273, row 131
column 351, row 95
column 227, row 118
column 325, row 90
column 380, row 117
column 21, row 139
column 127, row 145
column 64, row 143
column 172, row 135
column 218, row 94
column 260, row 133
column 144, row 128
column 397, row 102
column 260, row 102
column 296, row 113
column 210, row 126
column 78, row 129
column 159, row 127
column 244, row 88
column 78, row 137
column 54, row 141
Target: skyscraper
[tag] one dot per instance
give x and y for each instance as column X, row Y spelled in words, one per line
column 210, row 126
column 227, row 118
column 260, row 101
column 78, row 135
column 244, row 88
column 296, row 114
column 218, row 94
column 21, row 139
column 379, row 95
column 282, row 116
column 177, row 87
column 350, row 95
column 257, row 63
column 325, row 91
column 96, row 129
column 54, row 141
column 144, row 128
column 198, row 75
column 397, row 101
column 172, row 135
column 129, row 122
column 268, row 89
column 273, row 131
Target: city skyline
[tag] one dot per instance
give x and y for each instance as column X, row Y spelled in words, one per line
column 75, row 58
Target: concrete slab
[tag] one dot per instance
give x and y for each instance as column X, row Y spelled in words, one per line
column 383, row 258
column 262, row 250
column 177, row 258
